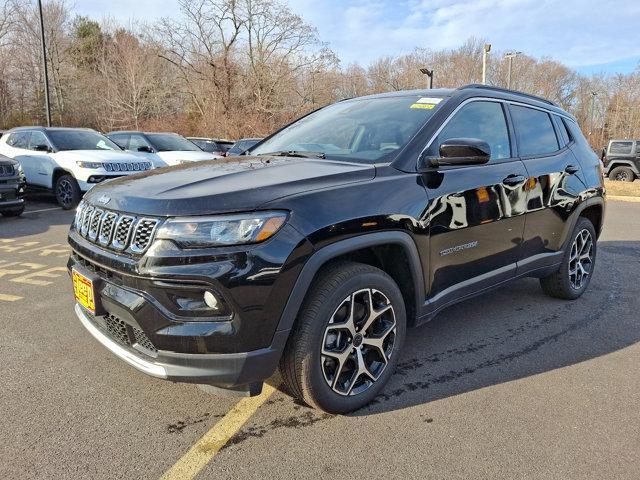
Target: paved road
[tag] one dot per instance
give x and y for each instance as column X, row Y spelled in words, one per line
column 509, row 385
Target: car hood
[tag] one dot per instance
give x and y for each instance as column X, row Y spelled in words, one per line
column 232, row 184
column 7, row 161
column 97, row 156
column 171, row 158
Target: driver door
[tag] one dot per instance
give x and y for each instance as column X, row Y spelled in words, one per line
column 476, row 213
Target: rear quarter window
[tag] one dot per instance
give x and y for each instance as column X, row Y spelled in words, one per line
column 621, row 148
column 535, row 132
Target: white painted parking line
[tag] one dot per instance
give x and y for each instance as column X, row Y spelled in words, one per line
column 42, row 210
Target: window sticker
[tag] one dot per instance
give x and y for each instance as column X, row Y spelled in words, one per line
column 430, row 100
column 422, row 105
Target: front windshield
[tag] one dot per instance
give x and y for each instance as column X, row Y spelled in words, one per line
column 362, row 130
column 80, row 140
column 168, row 142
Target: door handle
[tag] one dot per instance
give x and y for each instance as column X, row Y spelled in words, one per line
column 513, row 179
column 571, row 169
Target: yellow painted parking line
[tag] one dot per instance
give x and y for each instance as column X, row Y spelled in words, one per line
column 211, row 442
column 4, row 297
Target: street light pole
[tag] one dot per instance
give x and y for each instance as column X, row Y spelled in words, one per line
column 428, row 73
column 44, row 66
column 593, row 101
column 510, row 56
column 485, row 52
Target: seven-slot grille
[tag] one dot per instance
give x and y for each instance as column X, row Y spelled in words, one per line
column 127, row 167
column 114, row 230
column 7, row 171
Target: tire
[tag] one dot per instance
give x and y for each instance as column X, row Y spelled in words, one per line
column 67, row 192
column 622, row 174
column 573, row 277
column 311, row 357
column 13, row 212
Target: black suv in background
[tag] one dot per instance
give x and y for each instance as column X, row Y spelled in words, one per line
column 318, row 250
column 622, row 160
column 13, row 185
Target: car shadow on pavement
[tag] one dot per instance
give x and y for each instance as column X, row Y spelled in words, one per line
column 516, row 332
column 41, row 214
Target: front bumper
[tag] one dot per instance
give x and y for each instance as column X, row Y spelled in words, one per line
column 12, row 194
column 137, row 320
column 238, row 371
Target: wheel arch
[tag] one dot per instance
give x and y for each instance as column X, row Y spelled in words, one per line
column 622, row 163
column 57, row 173
column 368, row 249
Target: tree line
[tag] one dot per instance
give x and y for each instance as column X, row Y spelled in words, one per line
column 235, row 68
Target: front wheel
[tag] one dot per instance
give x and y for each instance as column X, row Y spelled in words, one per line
column 347, row 338
column 67, row 192
column 576, row 270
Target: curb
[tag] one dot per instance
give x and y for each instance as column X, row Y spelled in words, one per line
column 622, row 198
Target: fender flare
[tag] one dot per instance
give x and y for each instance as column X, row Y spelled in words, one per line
column 589, row 202
column 613, row 163
column 326, row 254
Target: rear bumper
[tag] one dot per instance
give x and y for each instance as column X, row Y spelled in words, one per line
column 237, row 371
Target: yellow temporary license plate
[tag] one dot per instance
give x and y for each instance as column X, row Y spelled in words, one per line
column 83, row 290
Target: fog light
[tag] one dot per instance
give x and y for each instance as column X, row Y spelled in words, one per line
column 211, row 300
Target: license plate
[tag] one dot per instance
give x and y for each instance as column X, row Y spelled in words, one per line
column 83, row 290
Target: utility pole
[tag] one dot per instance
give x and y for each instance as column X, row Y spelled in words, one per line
column 44, row 66
column 428, row 73
column 485, row 52
column 593, row 101
column 510, row 56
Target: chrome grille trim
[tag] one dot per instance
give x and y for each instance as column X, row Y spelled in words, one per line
column 115, row 231
column 122, row 233
column 143, row 234
column 94, row 224
column 107, row 227
column 86, row 218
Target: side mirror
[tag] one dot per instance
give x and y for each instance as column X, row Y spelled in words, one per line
column 460, row 151
column 145, row 148
column 42, row 148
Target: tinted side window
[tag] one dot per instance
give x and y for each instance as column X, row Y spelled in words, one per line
column 482, row 120
column 122, row 140
column 37, row 138
column 536, row 135
column 564, row 131
column 621, row 148
column 137, row 141
column 19, row 139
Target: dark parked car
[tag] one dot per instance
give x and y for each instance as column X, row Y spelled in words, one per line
column 12, row 187
column 241, row 146
column 622, row 160
column 212, row 145
column 318, row 250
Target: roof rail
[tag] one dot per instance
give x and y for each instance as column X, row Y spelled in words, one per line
column 506, row 90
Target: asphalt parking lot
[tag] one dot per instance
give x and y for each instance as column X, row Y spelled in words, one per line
column 512, row 384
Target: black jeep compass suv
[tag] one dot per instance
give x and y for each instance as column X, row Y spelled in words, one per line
column 319, row 248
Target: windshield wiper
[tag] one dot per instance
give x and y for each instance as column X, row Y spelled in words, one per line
column 294, row 153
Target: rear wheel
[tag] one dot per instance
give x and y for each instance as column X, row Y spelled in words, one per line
column 67, row 192
column 622, row 174
column 575, row 272
column 347, row 338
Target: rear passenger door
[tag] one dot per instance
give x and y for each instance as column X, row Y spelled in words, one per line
column 476, row 212
column 553, row 186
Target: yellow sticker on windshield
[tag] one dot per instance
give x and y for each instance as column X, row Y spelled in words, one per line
column 422, row 105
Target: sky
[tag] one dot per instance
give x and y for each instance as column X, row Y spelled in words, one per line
column 590, row 36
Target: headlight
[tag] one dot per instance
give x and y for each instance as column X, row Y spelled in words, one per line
column 20, row 169
column 194, row 232
column 89, row 164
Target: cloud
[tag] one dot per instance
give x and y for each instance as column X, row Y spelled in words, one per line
column 577, row 32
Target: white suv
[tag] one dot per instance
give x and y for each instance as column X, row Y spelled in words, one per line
column 68, row 161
